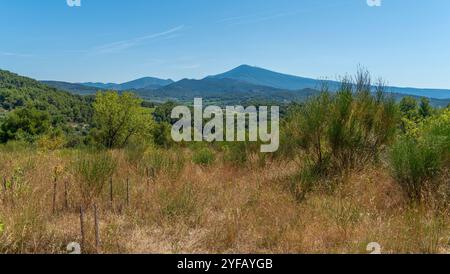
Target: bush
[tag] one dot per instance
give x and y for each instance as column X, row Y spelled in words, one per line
column 349, row 127
column 52, row 141
column 304, row 182
column 161, row 135
column 203, row 156
column 338, row 132
column 417, row 159
column 92, row 170
column 439, row 126
column 361, row 124
column 414, row 163
column 25, row 124
column 235, row 153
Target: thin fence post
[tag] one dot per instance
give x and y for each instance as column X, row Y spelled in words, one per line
column 66, row 198
column 11, row 192
column 54, row 196
column 128, row 192
column 4, row 189
column 153, row 174
column 97, row 232
column 111, row 192
column 150, row 174
column 82, row 227
column 147, row 176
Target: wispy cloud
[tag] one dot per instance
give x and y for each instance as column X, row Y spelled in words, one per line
column 261, row 17
column 237, row 18
column 14, row 54
column 126, row 44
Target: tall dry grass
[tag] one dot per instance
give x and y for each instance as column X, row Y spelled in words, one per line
column 216, row 208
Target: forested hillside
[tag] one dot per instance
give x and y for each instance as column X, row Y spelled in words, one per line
column 63, row 107
column 34, row 112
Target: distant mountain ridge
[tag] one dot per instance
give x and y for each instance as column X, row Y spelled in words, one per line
column 145, row 82
column 224, row 90
column 72, row 88
column 261, row 76
column 239, row 84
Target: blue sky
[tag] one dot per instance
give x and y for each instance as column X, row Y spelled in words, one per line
column 407, row 42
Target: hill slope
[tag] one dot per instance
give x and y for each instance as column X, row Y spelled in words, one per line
column 72, row 88
column 18, row 91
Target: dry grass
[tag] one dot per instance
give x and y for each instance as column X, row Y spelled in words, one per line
column 211, row 209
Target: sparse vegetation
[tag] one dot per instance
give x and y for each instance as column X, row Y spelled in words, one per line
column 354, row 167
column 203, row 156
column 92, row 171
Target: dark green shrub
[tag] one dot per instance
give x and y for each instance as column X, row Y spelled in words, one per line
column 417, row 158
column 203, row 156
column 350, row 127
column 235, row 153
column 361, row 122
column 414, row 163
column 161, row 135
column 338, row 132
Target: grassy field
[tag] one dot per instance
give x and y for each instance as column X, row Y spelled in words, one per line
column 354, row 167
column 177, row 206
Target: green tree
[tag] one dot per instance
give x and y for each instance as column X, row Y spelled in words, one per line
column 425, row 109
column 161, row 134
column 312, row 122
column 408, row 107
column 25, row 124
column 118, row 118
column 163, row 112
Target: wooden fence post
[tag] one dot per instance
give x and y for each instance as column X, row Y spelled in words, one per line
column 54, row 196
column 128, row 192
column 147, row 176
column 82, row 228
column 4, row 189
column 66, row 198
column 153, row 174
column 11, row 193
column 97, row 232
column 150, row 174
column 111, row 198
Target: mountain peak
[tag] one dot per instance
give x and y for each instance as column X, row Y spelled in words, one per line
column 260, row 76
column 248, row 68
column 245, row 66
